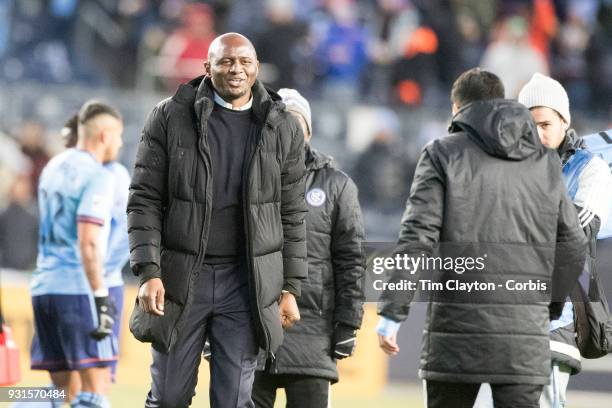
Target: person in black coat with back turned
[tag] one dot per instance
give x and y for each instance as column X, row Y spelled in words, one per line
column 331, row 303
column 216, row 226
column 489, row 190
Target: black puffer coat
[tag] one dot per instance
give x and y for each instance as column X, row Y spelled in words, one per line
column 169, row 207
column 333, row 292
column 490, row 187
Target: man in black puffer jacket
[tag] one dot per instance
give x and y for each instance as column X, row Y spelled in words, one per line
column 488, row 189
column 216, row 227
column 331, row 304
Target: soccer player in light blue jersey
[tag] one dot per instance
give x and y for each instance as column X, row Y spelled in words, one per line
column 118, row 251
column 74, row 315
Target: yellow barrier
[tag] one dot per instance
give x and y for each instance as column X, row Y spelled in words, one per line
column 364, row 374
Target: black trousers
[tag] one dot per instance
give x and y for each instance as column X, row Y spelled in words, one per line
column 219, row 312
column 302, row 391
column 462, row 395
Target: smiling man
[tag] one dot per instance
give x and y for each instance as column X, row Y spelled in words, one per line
column 216, row 225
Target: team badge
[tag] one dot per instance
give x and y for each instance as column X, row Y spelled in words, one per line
column 315, row 197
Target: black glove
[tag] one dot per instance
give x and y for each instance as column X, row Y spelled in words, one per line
column 206, row 352
column 344, row 340
column 106, row 317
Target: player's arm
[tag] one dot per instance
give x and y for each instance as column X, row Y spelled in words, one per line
column 420, row 231
column 594, row 197
column 348, row 261
column 293, row 212
column 94, row 210
column 145, row 208
column 89, row 235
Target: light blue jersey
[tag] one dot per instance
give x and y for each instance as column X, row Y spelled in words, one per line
column 73, row 188
column 118, row 245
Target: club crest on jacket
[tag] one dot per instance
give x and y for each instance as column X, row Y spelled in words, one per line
column 315, row 197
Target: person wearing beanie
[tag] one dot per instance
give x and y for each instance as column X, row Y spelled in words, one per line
column 331, row 303
column 589, row 184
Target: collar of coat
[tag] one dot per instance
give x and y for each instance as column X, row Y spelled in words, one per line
column 316, row 160
column 200, row 94
column 570, row 144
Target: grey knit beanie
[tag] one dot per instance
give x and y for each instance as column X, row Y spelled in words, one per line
column 297, row 103
column 545, row 91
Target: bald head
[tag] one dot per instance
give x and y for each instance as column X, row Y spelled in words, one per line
column 232, row 67
column 232, row 40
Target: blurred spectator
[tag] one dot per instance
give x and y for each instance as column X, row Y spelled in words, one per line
column 474, row 21
column 186, row 49
column 599, row 62
column 32, row 139
column 12, row 163
column 512, row 57
column 284, row 63
column 382, row 173
column 341, row 50
column 389, row 26
column 415, row 71
column 19, row 227
column 543, row 25
column 39, row 41
column 449, row 55
column 569, row 64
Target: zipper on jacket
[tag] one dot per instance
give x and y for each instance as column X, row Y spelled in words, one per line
column 205, row 222
column 246, row 171
column 273, row 363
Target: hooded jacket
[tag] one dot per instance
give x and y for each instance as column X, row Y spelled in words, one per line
column 333, row 292
column 170, row 206
column 490, row 189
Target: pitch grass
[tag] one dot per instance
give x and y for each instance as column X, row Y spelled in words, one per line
column 122, row 396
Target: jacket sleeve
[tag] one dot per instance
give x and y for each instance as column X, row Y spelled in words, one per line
column 348, row 258
column 293, row 212
column 420, row 230
column 148, row 191
column 570, row 253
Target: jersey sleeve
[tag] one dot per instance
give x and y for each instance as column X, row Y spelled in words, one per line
column 96, row 201
column 594, row 193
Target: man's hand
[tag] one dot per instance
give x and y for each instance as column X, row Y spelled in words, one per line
column 151, row 296
column 344, row 341
column 289, row 312
column 389, row 344
column 106, row 317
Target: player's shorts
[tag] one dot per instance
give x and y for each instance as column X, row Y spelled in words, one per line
column 62, row 339
column 116, row 294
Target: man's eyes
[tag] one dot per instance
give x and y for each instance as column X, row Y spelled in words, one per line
column 229, row 62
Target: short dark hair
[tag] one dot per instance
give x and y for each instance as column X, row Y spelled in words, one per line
column 476, row 85
column 70, row 131
column 93, row 108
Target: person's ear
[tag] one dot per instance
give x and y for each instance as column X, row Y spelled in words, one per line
column 104, row 137
column 455, row 108
column 207, row 68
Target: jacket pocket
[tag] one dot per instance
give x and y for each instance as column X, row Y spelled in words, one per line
column 273, row 328
column 181, row 230
column 159, row 330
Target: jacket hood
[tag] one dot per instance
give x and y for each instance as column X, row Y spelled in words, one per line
column 501, row 127
column 316, row 160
